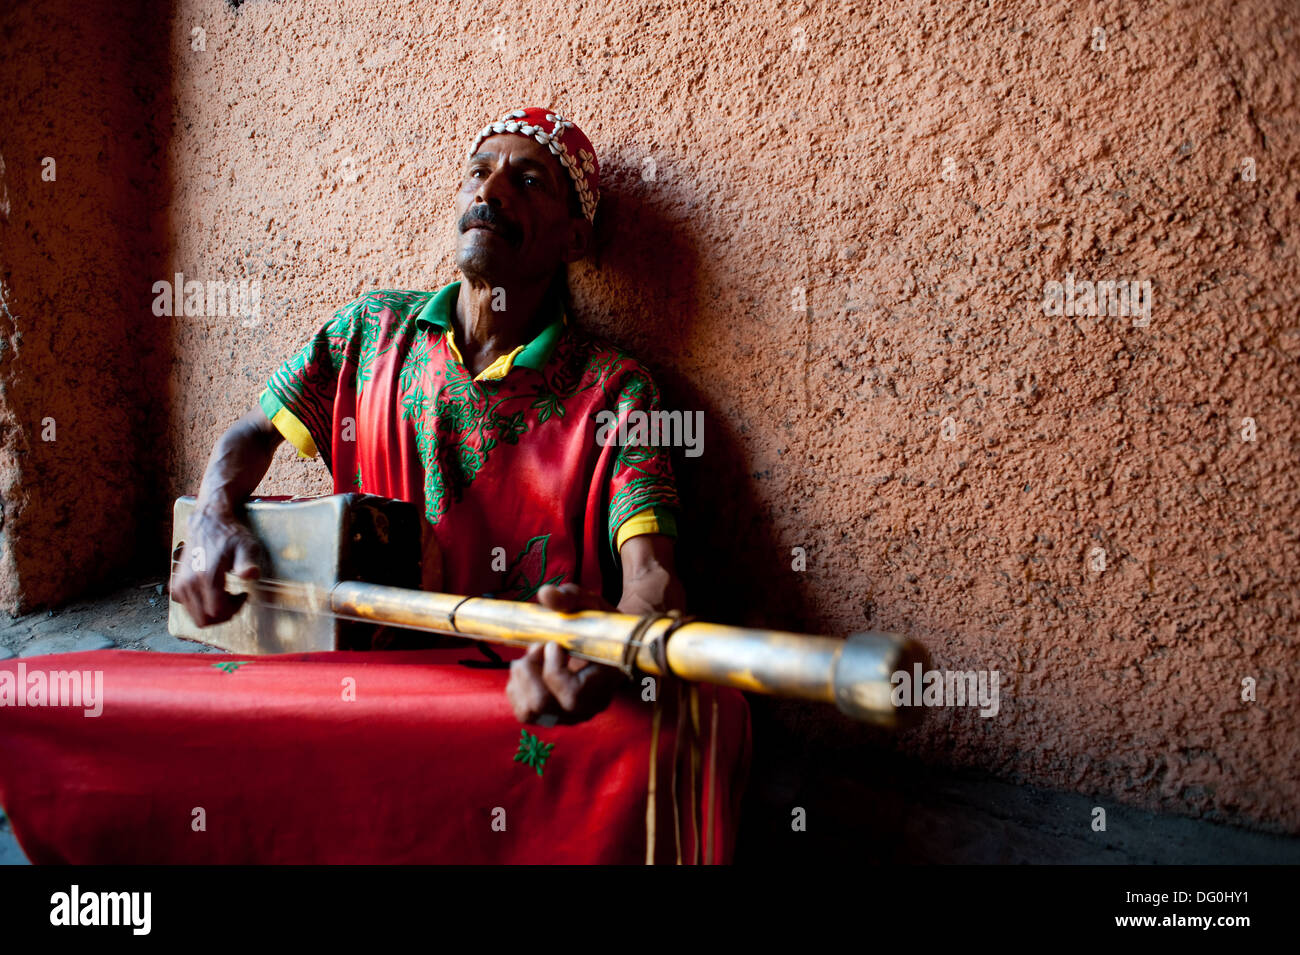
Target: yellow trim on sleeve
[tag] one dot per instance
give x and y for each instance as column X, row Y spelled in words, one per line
column 642, row 522
column 295, row 432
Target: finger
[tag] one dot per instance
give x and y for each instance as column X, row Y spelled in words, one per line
column 563, row 684
column 526, row 668
column 210, row 602
column 217, row 604
column 562, row 599
column 570, row 598
column 183, row 594
column 186, row 589
column 532, row 659
column 515, row 692
column 526, row 690
column 248, row 554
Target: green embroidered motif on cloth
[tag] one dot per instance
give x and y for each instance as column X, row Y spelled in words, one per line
column 532, row 751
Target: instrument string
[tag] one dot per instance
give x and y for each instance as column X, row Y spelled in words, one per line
column 317, row 601
column 262, row 590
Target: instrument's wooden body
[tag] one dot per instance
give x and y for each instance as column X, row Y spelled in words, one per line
column 319, row 541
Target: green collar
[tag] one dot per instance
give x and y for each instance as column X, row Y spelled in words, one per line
column 437, row 311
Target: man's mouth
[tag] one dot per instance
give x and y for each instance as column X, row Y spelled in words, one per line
column 501, row 230
column 487, row 227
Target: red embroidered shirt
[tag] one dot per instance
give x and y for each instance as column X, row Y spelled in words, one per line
column 515, row 485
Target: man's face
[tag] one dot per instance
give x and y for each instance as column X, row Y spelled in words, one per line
column 514, row 219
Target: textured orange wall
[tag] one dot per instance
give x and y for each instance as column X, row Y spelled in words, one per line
column 81, row 356
column 751, row 151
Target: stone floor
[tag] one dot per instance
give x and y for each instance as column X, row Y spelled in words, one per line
column 882, row 809
column 872, row 807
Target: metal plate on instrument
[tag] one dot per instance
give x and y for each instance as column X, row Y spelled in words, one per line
column 313, row 541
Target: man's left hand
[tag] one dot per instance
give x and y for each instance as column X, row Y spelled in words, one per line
column 547, row 685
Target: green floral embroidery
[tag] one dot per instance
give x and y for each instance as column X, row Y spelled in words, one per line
column 638, row 494
column 466, row 428
column 417, row 360
column 547, row 405
column 414, row 405
column 532, row 751
column 527, row 572
column 632, row 456
column 509, row 427
column 231, row 666
column 633, row 393
column 307, row 383
column 365, row 313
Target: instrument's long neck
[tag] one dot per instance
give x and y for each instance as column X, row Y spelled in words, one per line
column 592, row 635
column 853, row 674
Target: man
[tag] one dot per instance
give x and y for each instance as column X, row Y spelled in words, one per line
column 478, row 404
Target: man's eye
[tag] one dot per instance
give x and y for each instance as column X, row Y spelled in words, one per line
column 531, row 180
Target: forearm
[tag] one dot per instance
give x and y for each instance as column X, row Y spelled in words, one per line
column 239, row 461
column 650, row 582
column 216, row 541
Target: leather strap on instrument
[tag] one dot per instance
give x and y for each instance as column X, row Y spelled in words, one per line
column 657, row 646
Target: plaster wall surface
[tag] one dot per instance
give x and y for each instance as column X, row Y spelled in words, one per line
column 830, row 226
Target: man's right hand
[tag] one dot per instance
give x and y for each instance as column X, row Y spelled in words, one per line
column 216, row 543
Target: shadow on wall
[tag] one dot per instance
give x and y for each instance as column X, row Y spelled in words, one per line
column 84, row 381
column 648, row 265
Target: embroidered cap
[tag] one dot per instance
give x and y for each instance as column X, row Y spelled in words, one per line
column 569, row 144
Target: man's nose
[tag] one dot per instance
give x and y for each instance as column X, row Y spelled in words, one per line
column 493, row 189
column 476, row 208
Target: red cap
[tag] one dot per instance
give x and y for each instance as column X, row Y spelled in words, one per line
column 569, row 144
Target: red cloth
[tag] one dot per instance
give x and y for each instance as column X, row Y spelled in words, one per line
column 412, row 771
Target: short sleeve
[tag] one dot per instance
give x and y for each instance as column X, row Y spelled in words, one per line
column 299, row 397
column 642, row 475
column 293, row 430
column 653, row 520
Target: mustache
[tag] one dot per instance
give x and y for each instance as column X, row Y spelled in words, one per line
column 487, row 215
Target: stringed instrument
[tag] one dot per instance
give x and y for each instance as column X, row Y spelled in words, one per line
column 343, row 566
